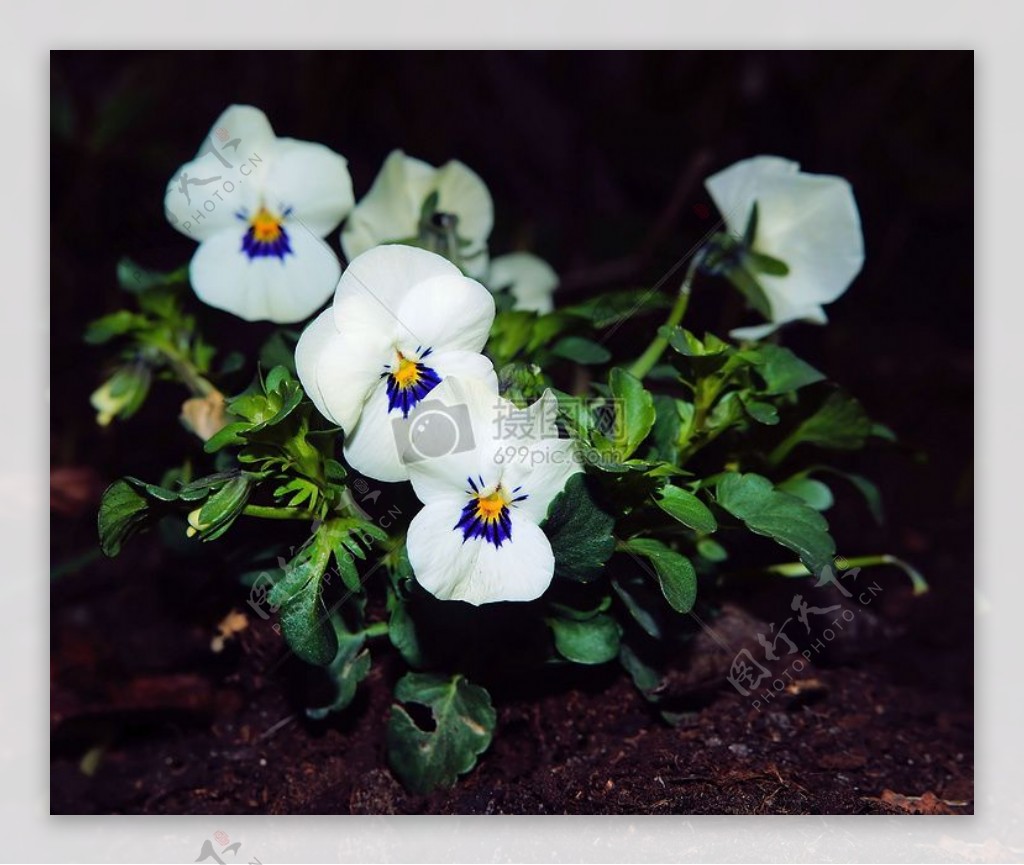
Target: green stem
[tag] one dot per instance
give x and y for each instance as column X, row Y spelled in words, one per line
column 783, row 448
column 797, row 569
column 645, row 363
column 377, row 629
column 269, row 513
column 186, row 371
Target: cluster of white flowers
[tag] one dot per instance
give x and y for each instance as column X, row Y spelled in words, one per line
column 397, row 357
column 396, row 363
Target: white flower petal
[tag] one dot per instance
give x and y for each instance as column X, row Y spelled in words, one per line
column 375, row 284
column 315, row 341
column 461, row 191
column 447, row 313
column 311, row 179
column 390, row 211
column 371, row 447
column 244, row 123
column 540, row 471
column 530, row 279
column 474, row 570
column 811, row 314
column 282, row 290
column 734, row 189
column 190, row 203
column 809, row 221
column 452, row 447
column 339, row 371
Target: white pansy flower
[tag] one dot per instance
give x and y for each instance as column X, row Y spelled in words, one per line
column 259, row 206
column 478, row 537
column 393, row 211
column 403, row 320
column 529, row 279
column 808, row 221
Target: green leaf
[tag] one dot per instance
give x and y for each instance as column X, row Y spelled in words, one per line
column 590, row 641
column 580, row 532
column 786, row 519
column 632, row 595
column 136, row 279
column 464, row 724
column 349, row 667
column 870, row 492
column 675, row 572
column 224, row 507
column 634, row 411
column 304, row 618
column 751, row 289
column 815, row 493
column 644, row 676
column 117, row 323
column 279, row 350
column 761, row 263
column 840, row 423
column 782, row 371
column 122, row 513
column 710, row 549
column 685, row 507
column 762, row 412
column 581, row 350
column 304, row 621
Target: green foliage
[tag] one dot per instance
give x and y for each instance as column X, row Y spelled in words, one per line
column 784, row 518
column 676, row 575
column 350, row 666
column 464, row 722
column 580, row 532
column 122, row 513
column 634, row 413
column 685, row 507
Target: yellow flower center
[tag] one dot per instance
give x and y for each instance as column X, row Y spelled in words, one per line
column 408, row 372
column 266, row 228
column 489, row 508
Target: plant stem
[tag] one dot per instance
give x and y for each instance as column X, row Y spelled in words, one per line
column 645, row 363
column 269, row 513
column 186, row 371
column 377, row 629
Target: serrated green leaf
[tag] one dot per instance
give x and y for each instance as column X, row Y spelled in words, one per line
column 464, row 724
column 590, row 641
column 580, row 532
column 840, row 423
column 786, row 519
column 685, row 507
column 676, row 575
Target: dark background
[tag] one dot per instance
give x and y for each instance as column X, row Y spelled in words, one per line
column 595, row 161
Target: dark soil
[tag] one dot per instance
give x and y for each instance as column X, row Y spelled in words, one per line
column 876, row 724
